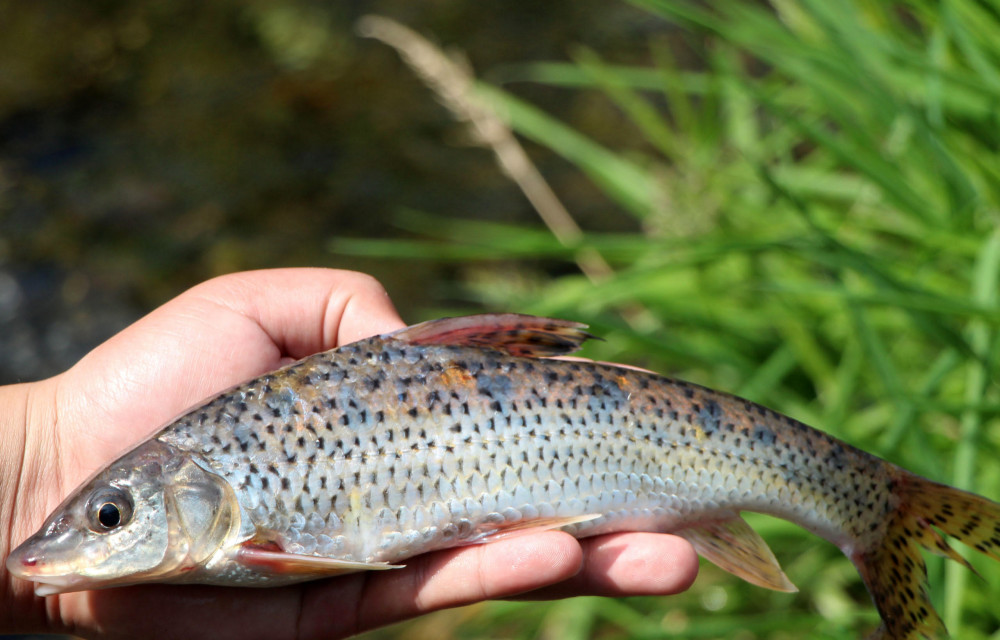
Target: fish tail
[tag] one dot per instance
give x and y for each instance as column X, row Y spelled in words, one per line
column 894, row 570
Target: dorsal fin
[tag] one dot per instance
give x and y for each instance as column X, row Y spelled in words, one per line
column 512, row 333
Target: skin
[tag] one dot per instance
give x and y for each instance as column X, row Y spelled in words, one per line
column 55, row 433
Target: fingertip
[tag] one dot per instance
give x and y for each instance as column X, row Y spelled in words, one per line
column 528, row 562
column 304, row 310
column 366, row 308
column 499, row 569
column 640, row 564
column 629, row 564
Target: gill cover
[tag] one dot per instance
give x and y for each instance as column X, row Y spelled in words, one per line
column 152, row 514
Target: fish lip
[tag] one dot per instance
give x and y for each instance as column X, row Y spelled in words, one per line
column 52, row 585
column 25, row 565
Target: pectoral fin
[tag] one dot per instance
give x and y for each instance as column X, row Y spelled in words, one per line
column 281, row 563
column 732, row 545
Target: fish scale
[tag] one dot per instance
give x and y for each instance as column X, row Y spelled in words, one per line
column 454, row 424
column 456, row 432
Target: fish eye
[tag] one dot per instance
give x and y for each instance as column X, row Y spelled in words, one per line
column 109, row 515
column 108, row 509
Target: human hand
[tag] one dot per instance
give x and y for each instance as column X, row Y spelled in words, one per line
column 57, row 432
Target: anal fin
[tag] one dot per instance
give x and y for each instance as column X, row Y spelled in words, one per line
column 731, row 544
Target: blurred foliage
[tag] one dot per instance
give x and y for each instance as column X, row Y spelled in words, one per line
column 798, row 203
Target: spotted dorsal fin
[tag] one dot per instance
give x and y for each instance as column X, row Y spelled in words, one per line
column 512, row 333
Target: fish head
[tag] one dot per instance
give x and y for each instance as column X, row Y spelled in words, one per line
column 152, row 515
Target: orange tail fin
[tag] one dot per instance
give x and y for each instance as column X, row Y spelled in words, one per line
column 894, row 571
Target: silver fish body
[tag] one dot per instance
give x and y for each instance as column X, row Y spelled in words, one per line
column 455, row 432
column 379, row 451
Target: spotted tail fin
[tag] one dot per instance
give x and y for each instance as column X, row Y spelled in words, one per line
column 894, row 571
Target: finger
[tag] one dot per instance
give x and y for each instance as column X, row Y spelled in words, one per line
column 222, row 332
column 440, row 580
column 168, row 612
column 306, row 310
column 629, row 564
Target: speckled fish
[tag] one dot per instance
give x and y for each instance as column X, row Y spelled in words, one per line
column 457, row 431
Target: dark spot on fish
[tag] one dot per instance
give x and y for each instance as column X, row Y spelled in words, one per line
column 285, row 484
column 763, row 434
column 380, row 416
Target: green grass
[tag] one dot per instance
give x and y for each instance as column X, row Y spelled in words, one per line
column 818, row 203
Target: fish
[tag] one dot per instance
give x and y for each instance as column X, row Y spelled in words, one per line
column 463, row 430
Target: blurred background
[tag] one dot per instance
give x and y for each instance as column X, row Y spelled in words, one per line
column 796, row 201
column 147, row 146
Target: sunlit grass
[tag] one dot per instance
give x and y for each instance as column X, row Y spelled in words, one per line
column 818, row 203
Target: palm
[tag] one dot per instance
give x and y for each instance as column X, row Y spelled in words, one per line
column 225, row 332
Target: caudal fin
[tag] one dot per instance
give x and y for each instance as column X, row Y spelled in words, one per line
column 894, row 571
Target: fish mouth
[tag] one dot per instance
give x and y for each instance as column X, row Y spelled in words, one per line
column 51, row 585
column 27, row 566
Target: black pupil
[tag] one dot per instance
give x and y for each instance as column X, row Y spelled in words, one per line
column 109, row 515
